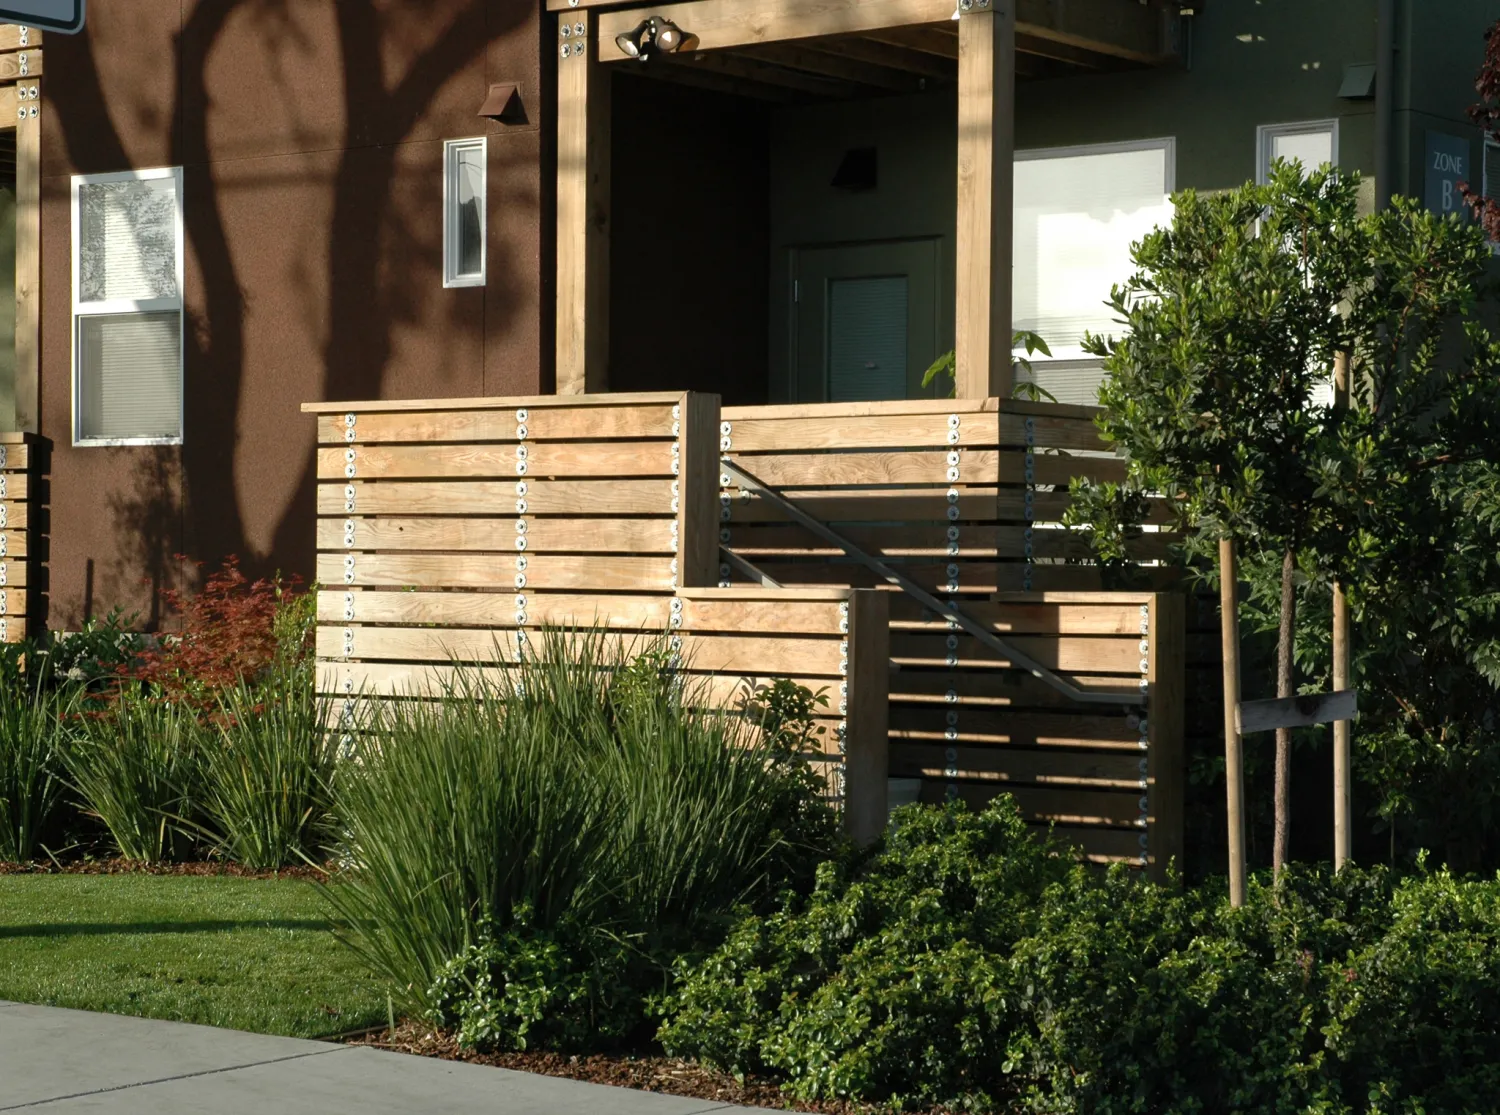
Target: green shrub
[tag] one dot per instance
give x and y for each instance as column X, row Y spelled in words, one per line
column 578, row 796
column 964, row 966
column 31, row 773
column 891, row 980
column 267, row 772
column 137, row 767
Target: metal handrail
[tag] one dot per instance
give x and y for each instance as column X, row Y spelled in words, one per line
column 979, row 630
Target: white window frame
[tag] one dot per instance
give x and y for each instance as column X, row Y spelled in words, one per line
column 451, row 147
column 1267, row 134
column 1165, row 144
column 107, row 307
column 1488, row 189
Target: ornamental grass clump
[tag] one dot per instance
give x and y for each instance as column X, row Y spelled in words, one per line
column 530, row 851
column 32, row 783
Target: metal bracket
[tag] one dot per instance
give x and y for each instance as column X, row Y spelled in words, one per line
column 922, row 596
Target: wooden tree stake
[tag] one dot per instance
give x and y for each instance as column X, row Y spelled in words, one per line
column 1342, row 780
column 1234, row 759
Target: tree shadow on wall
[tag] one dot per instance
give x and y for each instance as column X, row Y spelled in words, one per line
column 147, row 514
column 366, row 297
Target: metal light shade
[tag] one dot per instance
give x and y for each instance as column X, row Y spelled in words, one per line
column 635, row 43
column 670, row 37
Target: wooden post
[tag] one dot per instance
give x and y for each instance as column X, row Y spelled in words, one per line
column 986, row 200
column 698, row 491
column 1165, row 755
column 867, row 721
column 28, row 381
column 1342, row 780
column 583, row 138
column 1234, row 760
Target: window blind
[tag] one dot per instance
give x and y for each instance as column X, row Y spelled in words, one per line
column 1076, row 216
column 129, row 377
column 128, row 234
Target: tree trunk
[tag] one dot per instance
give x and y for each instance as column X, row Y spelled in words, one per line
column 1284, row 735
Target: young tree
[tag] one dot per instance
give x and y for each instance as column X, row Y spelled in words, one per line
column 1233, row 318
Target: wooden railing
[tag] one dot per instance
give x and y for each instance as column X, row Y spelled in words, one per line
column 965, row 499
column 449, row 532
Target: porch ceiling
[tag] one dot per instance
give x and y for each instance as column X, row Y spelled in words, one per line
column 769, row 49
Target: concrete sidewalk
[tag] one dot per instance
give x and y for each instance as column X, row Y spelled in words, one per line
column 73, row 1061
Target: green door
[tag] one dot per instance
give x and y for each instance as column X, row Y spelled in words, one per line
column 864, row 321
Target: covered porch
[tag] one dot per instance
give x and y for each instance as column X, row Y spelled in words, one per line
column 809, row 200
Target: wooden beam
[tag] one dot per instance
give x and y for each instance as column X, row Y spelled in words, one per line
column 28, row 255
column 753, row 69
column 722, row 24
column 885, row 54
column 1059, row 52
column 1296, row 712
column 986, row 190
column 926, row 40
column 1120, row 28
column 838, row 67
column 583, row 138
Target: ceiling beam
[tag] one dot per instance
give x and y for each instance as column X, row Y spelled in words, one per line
column 753, row 69
column 927, row 40
column 713, row 82
column 1060, row 52
column 798, row 56
column 884, row 54
column 1119, row 28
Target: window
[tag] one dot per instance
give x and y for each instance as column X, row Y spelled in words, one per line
column 463, row 212
column 1077, row 213
column 127, row 308
column 1311, row 143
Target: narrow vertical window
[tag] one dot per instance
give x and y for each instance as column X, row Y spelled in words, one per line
column 463, row 212
column 127, row 308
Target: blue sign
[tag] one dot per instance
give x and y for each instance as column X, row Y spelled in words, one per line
column 49, row 15
column 1448, row 163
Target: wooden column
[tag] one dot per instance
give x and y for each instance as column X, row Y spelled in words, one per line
column 1342, row 777
column 28, row 256
column 986, row 197
column 1234, row 758
column 583, row 138
column 867, row 723
column 697, row 493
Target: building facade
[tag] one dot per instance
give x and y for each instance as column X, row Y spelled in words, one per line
column 243, row 205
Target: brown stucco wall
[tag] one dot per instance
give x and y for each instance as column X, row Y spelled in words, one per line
column 311, row 135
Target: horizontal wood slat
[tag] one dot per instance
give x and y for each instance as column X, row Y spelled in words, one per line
column 498, row 572
column 540, row 424
column 543, row 497
column 559, row 535
column 606, row 460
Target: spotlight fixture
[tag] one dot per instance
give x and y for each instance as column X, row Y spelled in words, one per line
column 652, row 35
column 637, row 43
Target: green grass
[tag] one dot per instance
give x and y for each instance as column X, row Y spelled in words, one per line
column 249, row 954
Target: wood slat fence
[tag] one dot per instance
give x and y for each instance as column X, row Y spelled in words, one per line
column 450, row 531
column 21, row 551
column 965, row 499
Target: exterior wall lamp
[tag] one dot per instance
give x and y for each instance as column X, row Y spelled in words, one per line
column 654, row 34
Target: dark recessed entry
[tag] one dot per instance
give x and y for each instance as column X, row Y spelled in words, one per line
column 859, row 170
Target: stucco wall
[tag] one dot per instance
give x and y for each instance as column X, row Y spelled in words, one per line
column 310, row 135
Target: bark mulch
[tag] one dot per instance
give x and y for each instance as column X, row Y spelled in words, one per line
column 647, row 1073
column 134, row 867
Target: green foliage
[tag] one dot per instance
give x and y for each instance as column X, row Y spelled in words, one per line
column 31, row 772
column 965, row 965
column 888, row 982
column 582, row 793
column 137, row 767
column 526, row 987
column 267, row 774
column 946, row 367
column 94, row 654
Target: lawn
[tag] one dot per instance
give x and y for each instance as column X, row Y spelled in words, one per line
column 250, row 954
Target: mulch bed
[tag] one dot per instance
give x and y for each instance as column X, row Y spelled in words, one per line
column 133, row 867
column 646, row 1073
